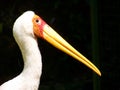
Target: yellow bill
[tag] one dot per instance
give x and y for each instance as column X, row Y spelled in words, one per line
column 41, row 29
column 56, row 40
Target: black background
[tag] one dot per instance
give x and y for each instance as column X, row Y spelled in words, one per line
column 71, row 19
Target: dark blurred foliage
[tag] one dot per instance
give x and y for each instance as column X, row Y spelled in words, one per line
column 71, row 19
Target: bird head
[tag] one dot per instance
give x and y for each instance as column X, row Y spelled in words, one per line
column 33, row 26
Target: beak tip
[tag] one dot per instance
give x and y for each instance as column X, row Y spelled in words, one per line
column 99, row 73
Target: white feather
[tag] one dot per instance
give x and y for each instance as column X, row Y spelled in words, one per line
column 30, row 76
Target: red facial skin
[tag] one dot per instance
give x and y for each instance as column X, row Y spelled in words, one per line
column 38, row 26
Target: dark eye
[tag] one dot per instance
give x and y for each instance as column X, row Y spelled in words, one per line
column 38, row 21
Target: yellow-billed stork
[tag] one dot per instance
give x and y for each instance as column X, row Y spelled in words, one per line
column 26, row 29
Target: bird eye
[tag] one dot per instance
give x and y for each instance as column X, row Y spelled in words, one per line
column 38, row 21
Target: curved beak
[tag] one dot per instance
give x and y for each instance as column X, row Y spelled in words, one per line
column 46, row 32
column 56, row 40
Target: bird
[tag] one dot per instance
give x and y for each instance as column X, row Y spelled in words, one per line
column 26, row 29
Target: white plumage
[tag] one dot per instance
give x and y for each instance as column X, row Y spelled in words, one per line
column 24, row 36
column 25, row 30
